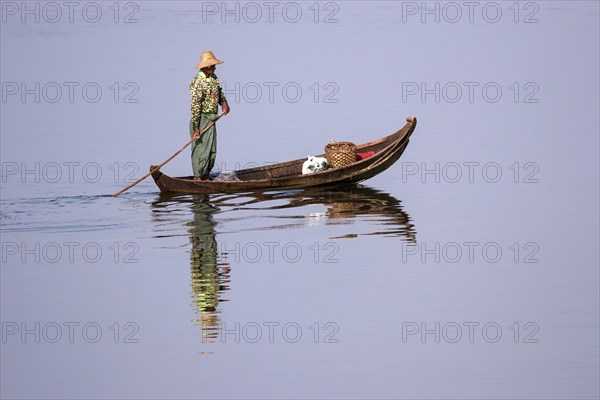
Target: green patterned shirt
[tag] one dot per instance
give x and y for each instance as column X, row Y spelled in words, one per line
column 206, row 95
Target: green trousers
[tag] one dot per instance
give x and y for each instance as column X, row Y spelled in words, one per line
column 204, row 150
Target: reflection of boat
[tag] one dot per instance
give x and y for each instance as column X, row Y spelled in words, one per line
column 342, row 203
column 210, row 271
column 288, row 175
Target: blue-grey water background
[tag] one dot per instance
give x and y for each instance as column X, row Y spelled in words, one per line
column 353, row 293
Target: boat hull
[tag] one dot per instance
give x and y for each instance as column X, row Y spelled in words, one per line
column 287, row 175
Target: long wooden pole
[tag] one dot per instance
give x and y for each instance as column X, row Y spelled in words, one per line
column 167, row 160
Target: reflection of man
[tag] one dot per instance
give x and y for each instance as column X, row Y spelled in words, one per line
column 209, row 278
column 207, row 95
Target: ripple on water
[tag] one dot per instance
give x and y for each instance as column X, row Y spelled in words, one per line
column 67, row 214
column 379, row 213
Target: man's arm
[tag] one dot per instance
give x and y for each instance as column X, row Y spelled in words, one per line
column 223, row 101
column 225, row 108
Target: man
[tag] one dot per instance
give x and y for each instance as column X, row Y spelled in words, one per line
column 206, row 94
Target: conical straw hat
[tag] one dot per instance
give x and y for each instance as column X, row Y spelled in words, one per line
column 207, row 59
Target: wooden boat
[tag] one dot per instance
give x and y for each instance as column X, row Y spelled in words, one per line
column 288, row 175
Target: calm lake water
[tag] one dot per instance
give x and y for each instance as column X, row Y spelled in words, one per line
column 467, row 270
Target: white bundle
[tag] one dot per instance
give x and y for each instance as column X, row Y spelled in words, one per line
column 314, row 164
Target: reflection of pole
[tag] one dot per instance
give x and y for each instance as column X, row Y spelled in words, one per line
column 209, row 277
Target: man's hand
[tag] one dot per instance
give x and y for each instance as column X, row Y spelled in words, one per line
column 196, row 135
column 225, row 108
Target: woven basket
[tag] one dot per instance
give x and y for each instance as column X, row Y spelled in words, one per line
column 340, row 154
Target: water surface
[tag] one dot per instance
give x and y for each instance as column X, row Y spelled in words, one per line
column 467, row 270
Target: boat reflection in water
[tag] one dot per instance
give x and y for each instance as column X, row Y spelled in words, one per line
column 343, row 204
column 210, row 271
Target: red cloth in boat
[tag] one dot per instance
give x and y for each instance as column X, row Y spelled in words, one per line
column 362, row 156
